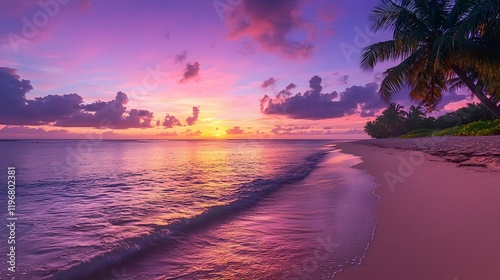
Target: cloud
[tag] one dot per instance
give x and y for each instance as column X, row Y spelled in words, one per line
column 23, row 132
column 191, row 120
column 271, row 82
column 280, row 96
column 190, row 133
column 290, row 86
column 273, row 26
column 190, row 72
column 307, row 130
column 234, row 131
column 179, row 58
column 66, row 110
column 356, row 100
column 278, row 129
column 111, row 114
column 344, row 79
column 171, row 121
column 314, row 104
column 167, row 134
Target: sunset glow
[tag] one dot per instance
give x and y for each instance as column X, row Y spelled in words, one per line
column 168, row 57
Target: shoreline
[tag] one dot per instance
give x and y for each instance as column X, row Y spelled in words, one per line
column 435, row 220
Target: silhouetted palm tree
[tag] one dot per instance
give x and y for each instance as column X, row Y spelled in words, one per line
column 394, row 118
column 416, row 118
column 390, row 123
column 438, row 42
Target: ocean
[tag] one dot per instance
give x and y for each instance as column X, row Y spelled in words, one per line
column 154, row 209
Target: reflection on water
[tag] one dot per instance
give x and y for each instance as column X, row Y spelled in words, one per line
column 308, row 230
column 117, row 196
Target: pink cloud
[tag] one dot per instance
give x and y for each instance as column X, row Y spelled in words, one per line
column 271, row 24
column 190, row 133
column 235, row 130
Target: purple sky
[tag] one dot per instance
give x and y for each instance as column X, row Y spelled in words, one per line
column 187, row 68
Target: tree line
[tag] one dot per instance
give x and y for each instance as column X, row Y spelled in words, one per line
column 395, row 121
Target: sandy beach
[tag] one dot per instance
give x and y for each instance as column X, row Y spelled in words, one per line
column 438, row 211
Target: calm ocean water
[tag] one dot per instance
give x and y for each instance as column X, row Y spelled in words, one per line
column 277, row 209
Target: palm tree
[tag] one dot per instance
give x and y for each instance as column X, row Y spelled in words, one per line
column 416, row 117
column 416, row 113
column 438, row 43
column 390, row 124
column 393, row 118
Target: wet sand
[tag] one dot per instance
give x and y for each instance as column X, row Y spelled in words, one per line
column 437, row 219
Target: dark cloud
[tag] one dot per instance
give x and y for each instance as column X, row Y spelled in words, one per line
column 269, row 24
column 179, row 58
column 327, row 127
column 171, row 121
column 280, row 96
column 315, row 84
column 235, row 130
column 16, row 109
column 290, row 86
column 314, row 104
column 111, row 114
column 190, row 72
column 191, row 120
column 66, row 110
column 271, row 82
column 283, row 94
column 344, row 79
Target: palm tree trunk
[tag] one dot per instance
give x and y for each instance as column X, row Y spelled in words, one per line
column 477, row 90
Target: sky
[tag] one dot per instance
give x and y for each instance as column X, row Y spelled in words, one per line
column 189, row 69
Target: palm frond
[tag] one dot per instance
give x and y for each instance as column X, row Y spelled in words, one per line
column 384, row 51
column 484, row 13
column 459, row 11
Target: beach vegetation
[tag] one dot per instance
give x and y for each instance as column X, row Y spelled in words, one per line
column 472, row 120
